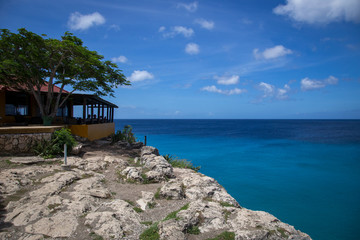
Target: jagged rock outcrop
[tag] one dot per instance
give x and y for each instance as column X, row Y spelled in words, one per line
column 92, row 200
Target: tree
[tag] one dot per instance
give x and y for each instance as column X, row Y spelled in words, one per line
column 29, row 61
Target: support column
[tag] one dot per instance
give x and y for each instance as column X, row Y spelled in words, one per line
column 92, row 112
column 98, row 115
column 112, row 114
column 102, row 111
column 84, row 111
column 107, row 113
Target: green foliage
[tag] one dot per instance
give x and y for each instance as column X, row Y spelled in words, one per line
column 137, row 209
column 180, row 163
column 95, row 236
column 226, row 215
column 126, row 135
column 172, row 215
column 224, row 236
column 130, row 202
column 147, row 223
column 157, row 194
column 29, row 61
column 152, row 233
column 226, row 204
column 193, row 230
column 54, row 147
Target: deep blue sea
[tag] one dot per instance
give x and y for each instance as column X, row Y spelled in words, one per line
column 305, row 172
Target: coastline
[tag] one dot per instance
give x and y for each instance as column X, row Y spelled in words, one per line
column 125, row 187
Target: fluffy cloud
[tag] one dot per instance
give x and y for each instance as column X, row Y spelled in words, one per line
column 225, row 92
column 191, row 7
column 192, row 48
column 227, row 80
column 309, row 84
column 205, row 23
column 121, row 59
column 138, row 76
column 77, row 21
column 271, row 53
column 270, row 91
column 320, row 11
column 267, row 88
column 178, row 30
column 282, row 92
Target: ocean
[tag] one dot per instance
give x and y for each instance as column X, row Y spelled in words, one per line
column 304, row 172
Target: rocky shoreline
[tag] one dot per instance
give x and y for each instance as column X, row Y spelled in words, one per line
column 123, row 191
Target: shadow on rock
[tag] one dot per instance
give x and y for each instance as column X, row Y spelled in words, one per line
column 3, row 225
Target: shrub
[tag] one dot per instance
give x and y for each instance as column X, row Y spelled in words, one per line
column 125, row 135
column 54, row 147
column 224, row 236
column 180, row 163
column 152, row 233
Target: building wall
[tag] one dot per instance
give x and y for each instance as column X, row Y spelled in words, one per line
column 93, row 131
column 21, row 142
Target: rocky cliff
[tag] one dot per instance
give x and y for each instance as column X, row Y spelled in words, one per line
column 123, row 192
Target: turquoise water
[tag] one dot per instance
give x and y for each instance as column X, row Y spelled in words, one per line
column 306, row 173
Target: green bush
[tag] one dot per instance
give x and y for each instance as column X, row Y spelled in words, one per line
column 180, row 163
column 55, row 147
column 224, row 236
column 125, row 135
column 152, row 233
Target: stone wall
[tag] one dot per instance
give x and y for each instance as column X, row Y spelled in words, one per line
column 20, row 143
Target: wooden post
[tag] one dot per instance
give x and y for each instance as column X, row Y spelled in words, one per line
column 92, row 112
column 98, row 116
column 102, row 111
column 112, row 114
column 107, row 113
column 84, row 111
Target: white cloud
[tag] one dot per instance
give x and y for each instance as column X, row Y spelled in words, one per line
column 205, row 23
column 178, row 30
column 138, row 76
column 270, row 91
column 121, row 59
column 227, row 80
column 190, row 7
column 309, row 84
column 77, row 21
column 114, row 27
column 320, row 11
column 267, row 88
column 192, row 48
column 282, row 92
column 187, row 32
column 271, row 53
column 214, row 89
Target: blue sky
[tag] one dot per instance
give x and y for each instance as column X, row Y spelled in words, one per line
column 215, row 59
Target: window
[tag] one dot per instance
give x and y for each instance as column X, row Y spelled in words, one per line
column 16, row 103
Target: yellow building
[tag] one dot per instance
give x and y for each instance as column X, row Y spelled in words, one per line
column 19, row 112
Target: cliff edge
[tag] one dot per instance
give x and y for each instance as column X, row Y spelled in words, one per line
column 123, row 191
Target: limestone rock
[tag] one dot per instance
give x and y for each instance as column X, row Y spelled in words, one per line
column 132, row 173
column 249, row 224
column 158, row 164
column 115, row 220
column 76, row 150
column 61, row 225
column 146, row 200
column 27, row 160
column 172, row 190
column 199, row 186
column 148, row 150
column 171, row 230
